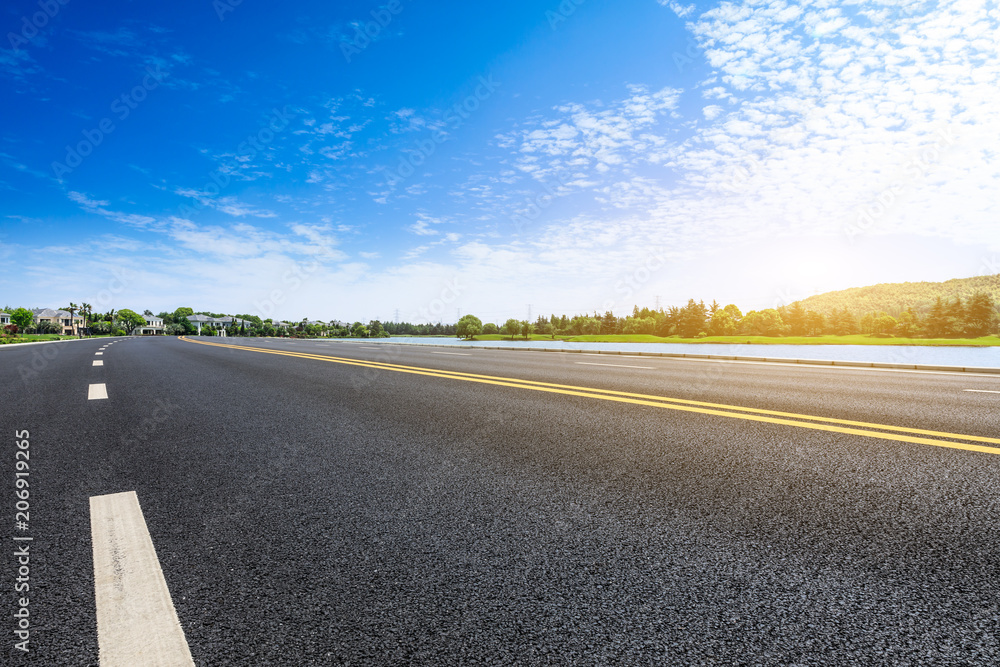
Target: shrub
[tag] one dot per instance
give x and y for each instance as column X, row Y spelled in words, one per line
column 48, row 327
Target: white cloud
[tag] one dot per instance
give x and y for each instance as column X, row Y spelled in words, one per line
column 228, row 205
column 595, row 136
column 678, row 8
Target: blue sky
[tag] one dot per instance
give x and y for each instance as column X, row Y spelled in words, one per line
column 348, row 160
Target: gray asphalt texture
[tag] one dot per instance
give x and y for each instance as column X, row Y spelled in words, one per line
column 312, row 513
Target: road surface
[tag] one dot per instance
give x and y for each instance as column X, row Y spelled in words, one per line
column 333, row 502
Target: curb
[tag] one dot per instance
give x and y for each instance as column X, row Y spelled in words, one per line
column 720, row 357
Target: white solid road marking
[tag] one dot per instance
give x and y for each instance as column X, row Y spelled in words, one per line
column 587, row 363
column 364, row 347
column 136, row 620
column 455, row 354
column 983, row 391
column 97, row 391
column 98, row 362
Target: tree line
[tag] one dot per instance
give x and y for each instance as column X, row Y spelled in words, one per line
column 972, row 318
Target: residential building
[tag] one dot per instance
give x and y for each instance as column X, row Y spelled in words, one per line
column 4, row 319
column 218, row 323
column 154, row 327
column 71, row 323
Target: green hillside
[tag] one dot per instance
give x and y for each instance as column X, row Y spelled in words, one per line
column 893, row 298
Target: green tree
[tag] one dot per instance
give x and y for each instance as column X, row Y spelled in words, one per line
column 734, row 312
column 884, row 324
column 591, row 326
column 937, row 321
column 722, row 324
column 469, row 326
column 257, row 322
column 843, row 322
column 909, row 324
column 796, row 318
column 526, row 329
column 692, row 319
column 512, row 327
column 980, row 315
column 815, row 323
column 130, row 319
column 762, row 323
column 490, row 328
column 23, row 318
column 48, row 327
column 86, row 309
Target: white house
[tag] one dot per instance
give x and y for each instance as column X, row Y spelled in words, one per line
column 70, row 323
column 217, row 323
column 154, row 327
column 4, row 319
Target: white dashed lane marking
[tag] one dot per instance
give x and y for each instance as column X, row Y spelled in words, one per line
column 97, row 391
column 136, row 620
column 983, row 391
column 98, row 362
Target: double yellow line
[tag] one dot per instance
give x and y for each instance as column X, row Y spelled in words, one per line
column 866, row 429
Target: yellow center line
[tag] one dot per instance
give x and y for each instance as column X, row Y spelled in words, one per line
column 722, row 410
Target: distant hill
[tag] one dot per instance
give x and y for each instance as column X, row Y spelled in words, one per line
column 894, row 298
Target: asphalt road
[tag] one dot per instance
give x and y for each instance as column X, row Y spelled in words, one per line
column 309, row 512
